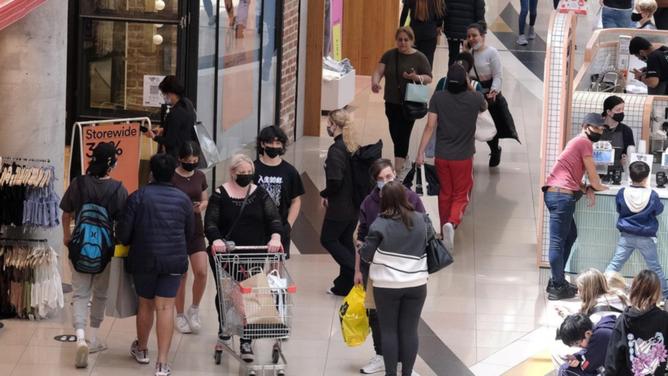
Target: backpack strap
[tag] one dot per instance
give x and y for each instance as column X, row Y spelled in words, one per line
column 604, row 308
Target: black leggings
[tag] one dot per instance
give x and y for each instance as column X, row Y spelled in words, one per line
column 400, row 129
column 427, row 47
column 337, row 238
column 399, row 313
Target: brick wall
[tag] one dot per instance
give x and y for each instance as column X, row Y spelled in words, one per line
column 290, row 44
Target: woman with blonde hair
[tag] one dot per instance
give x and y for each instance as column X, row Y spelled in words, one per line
column 598, row 299
column 337, row 199
column 244, row 213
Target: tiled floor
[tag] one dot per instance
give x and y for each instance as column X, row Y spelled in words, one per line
column 489, row 305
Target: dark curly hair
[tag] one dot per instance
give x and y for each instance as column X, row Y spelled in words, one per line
column 269, row 134
column 170, row 84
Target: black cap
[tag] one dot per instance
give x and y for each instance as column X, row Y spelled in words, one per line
column 456, row 75
column 104, row 154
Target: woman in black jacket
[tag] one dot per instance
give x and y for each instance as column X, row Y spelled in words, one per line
column 337, row 198
column 179, row 124
column 427, row 18
column 459, row 15
column 258, row 223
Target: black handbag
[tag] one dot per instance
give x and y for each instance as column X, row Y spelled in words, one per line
column 412, row 110
column 437, row 256
column 418, row 175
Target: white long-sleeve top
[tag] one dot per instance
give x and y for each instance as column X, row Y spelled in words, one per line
column 488, row 66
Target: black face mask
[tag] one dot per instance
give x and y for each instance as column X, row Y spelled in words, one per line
column 593, row 136
column 272, row 152
column 244, row 180
column 635, row 17
column 618, row 117
column 189, row 166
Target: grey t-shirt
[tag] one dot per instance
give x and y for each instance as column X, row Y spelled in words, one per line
column 106, row 192
column 416, row 61
column 457, row 117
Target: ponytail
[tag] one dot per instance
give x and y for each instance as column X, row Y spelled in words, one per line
column 341, row 118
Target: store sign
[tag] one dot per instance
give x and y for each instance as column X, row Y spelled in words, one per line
column 126, row 137
column 152, row 96
column 336, row 12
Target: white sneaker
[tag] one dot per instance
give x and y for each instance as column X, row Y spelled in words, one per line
column 81, row 358
column 192, row 315
column 375, row 365
column 182, row 325
column 162, row 369
column 522, row 40
column 448, row 236
column 532, row 33
column 96, row 346
column 141, row 356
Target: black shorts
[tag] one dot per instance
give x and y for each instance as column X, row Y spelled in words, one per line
column 148, row 286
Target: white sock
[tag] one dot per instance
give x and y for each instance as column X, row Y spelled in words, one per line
column 93, row 335
column 80, row 335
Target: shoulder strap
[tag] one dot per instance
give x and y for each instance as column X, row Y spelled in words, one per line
column 604, row 308
column 241, row 210
column 396, row 72
column 474, row 68
column 112, row 195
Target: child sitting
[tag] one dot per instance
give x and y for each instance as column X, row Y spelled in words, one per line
column 638, row 342
column 578, row 330
column 638, row 206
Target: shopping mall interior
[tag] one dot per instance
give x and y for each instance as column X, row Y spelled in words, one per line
column 486, row 314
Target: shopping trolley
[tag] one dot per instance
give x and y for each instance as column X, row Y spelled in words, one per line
column 255, row 301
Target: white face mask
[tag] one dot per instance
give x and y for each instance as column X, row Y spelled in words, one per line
column 477, row 46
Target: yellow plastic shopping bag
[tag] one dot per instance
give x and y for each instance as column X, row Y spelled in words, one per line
column 354, row 321
column 121, row 250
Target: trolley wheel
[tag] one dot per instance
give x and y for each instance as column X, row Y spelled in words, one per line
column 275, row 354
column 280, row 372
column 217, row 355
column 251, row 373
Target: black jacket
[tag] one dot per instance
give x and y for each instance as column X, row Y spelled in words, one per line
column 157, row 222
column 424, row 30
column 635, row 342
column 179, row 127
column 339, row 184
column 460, row 14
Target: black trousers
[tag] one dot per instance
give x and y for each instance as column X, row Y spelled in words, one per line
column 399, row 313
column 555, row 3
column 337, row 238
column 427, row 47
column 661, row 18
column 400, row 129
column 453, row 50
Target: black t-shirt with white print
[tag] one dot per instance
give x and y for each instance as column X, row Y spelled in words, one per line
column 282, row 182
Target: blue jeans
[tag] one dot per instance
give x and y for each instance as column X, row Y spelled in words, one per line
column 530, row 7
column 647, row 247
column 563, row 232
column 613, row 17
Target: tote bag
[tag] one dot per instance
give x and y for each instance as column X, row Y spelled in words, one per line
column 210, row 155
column 121, row 296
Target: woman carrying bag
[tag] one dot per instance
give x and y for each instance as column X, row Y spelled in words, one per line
column 400, row 66
column 488, row 71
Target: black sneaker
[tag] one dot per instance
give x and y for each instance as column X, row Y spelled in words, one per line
column 495, row 157
column 550, row 287
column 561, row 292
column 246, row 352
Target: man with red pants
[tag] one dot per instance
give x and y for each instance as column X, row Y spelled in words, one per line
column 454, row 113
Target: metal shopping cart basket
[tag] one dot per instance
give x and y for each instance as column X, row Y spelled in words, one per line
column 255, row 301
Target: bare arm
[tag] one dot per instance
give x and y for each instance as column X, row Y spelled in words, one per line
column 295, row 207
column 432, row 118
column 67, row 232
column 376, row 77
column 594, row 180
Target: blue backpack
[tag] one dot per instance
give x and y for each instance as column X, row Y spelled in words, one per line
column 92, row 244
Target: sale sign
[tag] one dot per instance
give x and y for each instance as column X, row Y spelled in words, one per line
column 126, row 139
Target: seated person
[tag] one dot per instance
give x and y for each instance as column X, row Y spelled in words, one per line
column 578, row 330
column 655, row 76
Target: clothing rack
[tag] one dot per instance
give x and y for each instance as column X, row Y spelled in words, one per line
column 15, row 240
column 20, row 159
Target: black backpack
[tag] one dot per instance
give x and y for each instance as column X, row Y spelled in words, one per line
column 92, row 244
column 361, row 162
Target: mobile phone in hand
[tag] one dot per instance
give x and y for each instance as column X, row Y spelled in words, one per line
column 143, row 129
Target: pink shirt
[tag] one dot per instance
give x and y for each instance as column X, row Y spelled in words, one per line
column 569, row 170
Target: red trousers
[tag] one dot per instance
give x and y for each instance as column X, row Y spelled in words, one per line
column 456, row 180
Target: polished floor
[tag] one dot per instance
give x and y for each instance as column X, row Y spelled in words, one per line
column 487, row 311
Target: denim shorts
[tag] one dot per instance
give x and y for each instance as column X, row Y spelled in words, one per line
column 148, row 286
